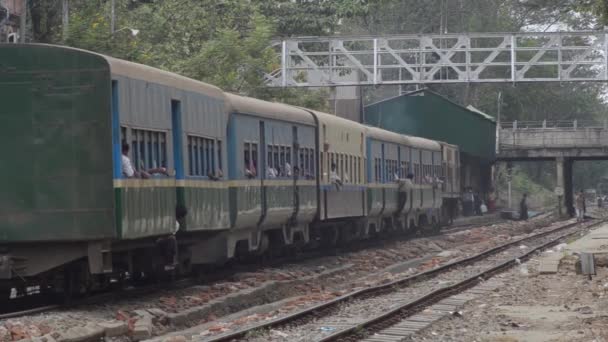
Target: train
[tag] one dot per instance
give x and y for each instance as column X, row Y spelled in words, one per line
column 238, row 176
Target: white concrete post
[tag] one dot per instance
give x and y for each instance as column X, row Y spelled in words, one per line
column 560, row 184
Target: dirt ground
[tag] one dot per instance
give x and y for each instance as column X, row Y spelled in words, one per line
column 533, row 307
column 300, row 284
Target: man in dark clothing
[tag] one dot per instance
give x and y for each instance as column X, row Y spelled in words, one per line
column 477, row 204
column 523, row 208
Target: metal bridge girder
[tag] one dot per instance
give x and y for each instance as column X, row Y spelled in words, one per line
column 449, row 58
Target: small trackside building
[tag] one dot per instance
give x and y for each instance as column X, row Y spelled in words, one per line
column 427, row 114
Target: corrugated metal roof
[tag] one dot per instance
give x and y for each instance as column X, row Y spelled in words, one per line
column 271, row 110
column 473, row 109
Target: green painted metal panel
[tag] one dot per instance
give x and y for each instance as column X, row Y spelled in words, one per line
column 390, row 200
column 55, row 143
column 245, row 206
column 307, row 199
column 375, row 201
column 147, row 211
column 208, row 208
column 429, row 115
column 280, row 199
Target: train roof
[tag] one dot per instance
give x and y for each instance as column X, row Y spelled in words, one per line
column 421, row 143
column 265, row 109
column 154, row 75
column 325, row 118
column 147, row 73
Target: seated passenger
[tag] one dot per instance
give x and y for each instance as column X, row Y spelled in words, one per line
column 287, row 169
column 296, row 172
column 271, row 172
column 129, row 171
column 334, row 178
column 127, row 168
column 215, row 176
column 249, row 169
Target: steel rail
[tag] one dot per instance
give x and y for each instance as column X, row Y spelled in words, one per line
column 397, row 314
column 368, row 292
column 181, row 283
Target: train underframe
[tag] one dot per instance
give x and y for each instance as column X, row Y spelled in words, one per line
column 86, row 267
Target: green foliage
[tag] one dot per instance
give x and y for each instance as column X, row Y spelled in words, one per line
column 311, row 17
column 223, row 42
column 539, row 196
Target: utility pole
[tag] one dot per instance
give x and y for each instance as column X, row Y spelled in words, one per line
column 22, row 21
column 65, row 19
column 112, row 16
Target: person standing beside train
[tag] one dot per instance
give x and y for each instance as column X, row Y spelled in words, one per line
column 404, row 186
column 467, row 202
column 580, row 206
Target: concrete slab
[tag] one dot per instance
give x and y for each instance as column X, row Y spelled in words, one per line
column 542, row 323
column 594, row 242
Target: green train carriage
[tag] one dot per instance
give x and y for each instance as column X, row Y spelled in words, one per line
column 68, row 216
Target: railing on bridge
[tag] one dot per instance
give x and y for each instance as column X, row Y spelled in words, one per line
column 556, row 124
column 448, row 58
column 552, row 135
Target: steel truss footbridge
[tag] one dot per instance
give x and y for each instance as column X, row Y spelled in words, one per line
column 446, row 58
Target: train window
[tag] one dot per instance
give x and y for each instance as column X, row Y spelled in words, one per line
column 250, row 159
column 282, row 160
column 359, row 170
column 341, row 166
column 374, row 175
column 311, row 163
column 321, row 160
column 219, row 155
column 353, row 176
column 123, row 133
column 306, row 161
column 149, row 148
column 346, row 170
column 269, row 156
column 254, row 158
column 202, row 155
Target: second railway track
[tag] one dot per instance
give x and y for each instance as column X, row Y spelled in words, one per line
column 357, row 314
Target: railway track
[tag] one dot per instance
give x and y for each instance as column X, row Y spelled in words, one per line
column 358, row 314
column 134, row 291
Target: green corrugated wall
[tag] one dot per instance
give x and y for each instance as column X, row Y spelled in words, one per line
column 429, row 115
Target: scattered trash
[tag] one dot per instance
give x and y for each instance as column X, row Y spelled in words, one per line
column 327, row 329
column 523, row 247
column 518, row 261
column 446, row 254
column 561, row 247
column 434, row 333
column 279, row 333
column 585, row 310
column 457, row 313
column 481, row 306
column 523, row 269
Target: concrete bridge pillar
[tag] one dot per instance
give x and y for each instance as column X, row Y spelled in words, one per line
column 563, row 188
